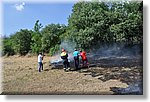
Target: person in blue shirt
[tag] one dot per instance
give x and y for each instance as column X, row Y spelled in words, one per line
column 76, row 58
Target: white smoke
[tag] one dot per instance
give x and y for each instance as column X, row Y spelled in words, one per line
column 69, row 46
column 117, row 50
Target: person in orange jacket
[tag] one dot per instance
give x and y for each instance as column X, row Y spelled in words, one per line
column 64, row 57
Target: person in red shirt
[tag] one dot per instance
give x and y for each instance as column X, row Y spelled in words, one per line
column 84, row 58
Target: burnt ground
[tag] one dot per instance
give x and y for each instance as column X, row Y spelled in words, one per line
column 105, row 75
column 21, row 76
column 128, row 70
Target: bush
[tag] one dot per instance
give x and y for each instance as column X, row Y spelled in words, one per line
column 54, row 50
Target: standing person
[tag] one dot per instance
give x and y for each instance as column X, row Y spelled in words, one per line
column 40, row 64
column 64, row 57
column 84, row 58
column 76, row 58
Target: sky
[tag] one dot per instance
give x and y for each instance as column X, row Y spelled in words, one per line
column 23, row 15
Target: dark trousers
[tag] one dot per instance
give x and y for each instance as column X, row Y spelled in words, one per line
column 65, row 63
column 76, row 61
column 40, row 67
column 84, row 62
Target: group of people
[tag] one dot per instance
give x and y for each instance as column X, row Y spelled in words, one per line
column 64, row 57
column 76, row 54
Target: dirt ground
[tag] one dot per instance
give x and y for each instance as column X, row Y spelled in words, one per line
column 21, row 76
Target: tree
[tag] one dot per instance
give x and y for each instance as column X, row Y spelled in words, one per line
column 52, row 36
column 21, row 41
column 90, row 24
column 130, row 27
column 36, row 44
column 87, row 23
column 102, row 22
column 7, row 47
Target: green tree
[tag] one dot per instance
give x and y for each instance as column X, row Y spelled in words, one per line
column 130, row 26
column 90, row 24
column 105, row 22
column 87, row 23
column 7, row 47
column 21, row 41
column 52, row 36
column 36, row 44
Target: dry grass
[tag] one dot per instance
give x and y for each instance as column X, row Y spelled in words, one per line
column 21, row 76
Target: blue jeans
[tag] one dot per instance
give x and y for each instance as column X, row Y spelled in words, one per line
column 40, row 66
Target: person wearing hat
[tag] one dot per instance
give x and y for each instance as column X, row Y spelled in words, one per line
column 40, row 64
column 76, row 58
column 64, row 57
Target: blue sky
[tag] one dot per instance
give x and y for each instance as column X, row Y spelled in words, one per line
column 24, row 15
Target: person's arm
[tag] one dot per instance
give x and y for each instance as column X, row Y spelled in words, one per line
column 80, row 54
column 42, row 57
column 66, row 55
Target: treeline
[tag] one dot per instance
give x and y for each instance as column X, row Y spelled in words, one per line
column 40, row 39
column 89, row 24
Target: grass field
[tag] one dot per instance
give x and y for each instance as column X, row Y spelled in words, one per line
column 21, row 76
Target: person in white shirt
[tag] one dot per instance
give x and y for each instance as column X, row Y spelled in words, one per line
column 40, row 64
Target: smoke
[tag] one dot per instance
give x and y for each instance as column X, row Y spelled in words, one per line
column 101, row 51
column 117, row 50
column 69, row 46
column 55, row 59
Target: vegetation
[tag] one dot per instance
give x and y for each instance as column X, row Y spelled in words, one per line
column 90, row 23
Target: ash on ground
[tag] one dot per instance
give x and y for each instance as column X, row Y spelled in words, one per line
column 128, row 70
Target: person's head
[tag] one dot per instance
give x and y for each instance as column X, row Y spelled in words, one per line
column 80, row 50
column 75, row 49
column 40, row 53
column 62, row 50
